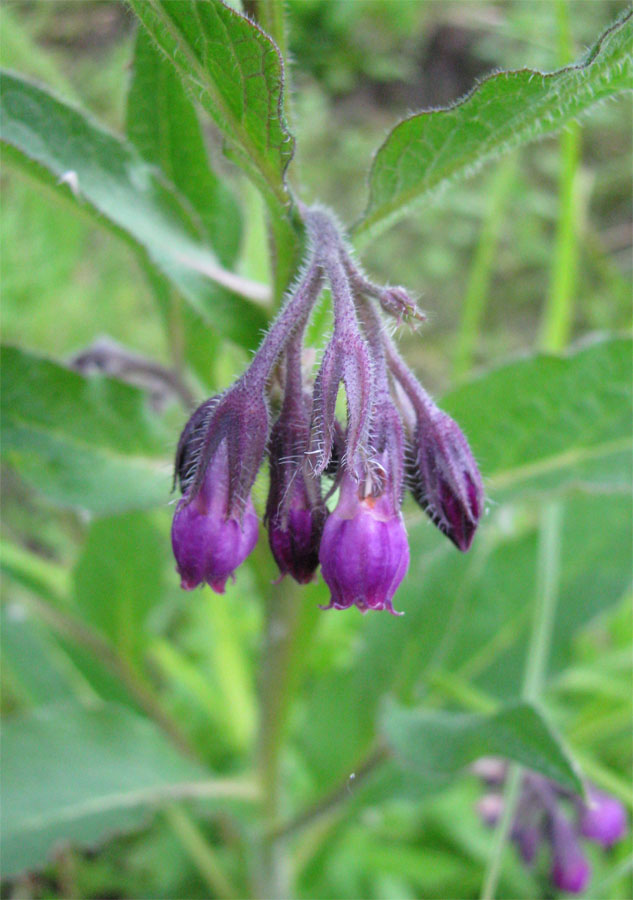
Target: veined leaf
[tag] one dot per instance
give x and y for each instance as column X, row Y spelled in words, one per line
column 62, row 148
column 78, row 775
column 235, row 71
column 430, row 149
column 163, row 126
column 547, row 422
column 84, row 442
column 438, row 744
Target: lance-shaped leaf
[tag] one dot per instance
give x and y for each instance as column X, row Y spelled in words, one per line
column 62, row 148
column 438, row 744
column 430, row 149
column 235, row 71
column 83, row 442
column 163, row 126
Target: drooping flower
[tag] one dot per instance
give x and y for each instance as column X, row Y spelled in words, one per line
column 295, row 510
column 362, row 546
column 364, row 550
column 571, row 870
column 209, row 541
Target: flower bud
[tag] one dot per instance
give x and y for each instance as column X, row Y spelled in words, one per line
column 210, row 539
column 209, row 543
column 570, row 868
column 443, row 476
column 364, row 551
column 604, row 819
column 295, row 511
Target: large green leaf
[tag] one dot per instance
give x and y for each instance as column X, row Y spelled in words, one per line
column 438, row 744
column 163, row 126
column 78, row 775
column 84, row 442
column 32, row 664
column 431, row 149
column 546, row 423
column 119, row 578
column 62, row 148
column 235, row 71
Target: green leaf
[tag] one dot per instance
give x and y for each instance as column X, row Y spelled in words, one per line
column 88, row 443
column 547, row 423
column 235, row 71
column 163, row 126
column 119, row 578
column 491, row 606
column 62, row 148
column 31, row 660
column 78, row 775
column 429, row 150
column 438, row 744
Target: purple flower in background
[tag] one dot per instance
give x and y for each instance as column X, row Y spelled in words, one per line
column 603, row 818
column 570, row 867
column 548, row 814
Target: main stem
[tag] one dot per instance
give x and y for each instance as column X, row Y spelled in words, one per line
column 282, row 623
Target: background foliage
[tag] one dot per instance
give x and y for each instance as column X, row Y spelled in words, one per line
column 143, row 723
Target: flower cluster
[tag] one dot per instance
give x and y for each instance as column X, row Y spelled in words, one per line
column 394, row 438
column 542, row 818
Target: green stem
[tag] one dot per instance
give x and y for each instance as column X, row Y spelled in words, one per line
column 510, row 797
column 548, row 572
column 278, row 670
column 481, row 269
column 548, row 568
column 201, row 853
column 558, row 317
column 558, row 313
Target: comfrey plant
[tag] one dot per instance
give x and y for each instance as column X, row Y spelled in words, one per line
column 394, row 438
column 543, row 818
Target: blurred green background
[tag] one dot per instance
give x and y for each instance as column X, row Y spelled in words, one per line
column 358, row 67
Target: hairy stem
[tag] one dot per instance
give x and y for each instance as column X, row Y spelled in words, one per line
column 282, row 628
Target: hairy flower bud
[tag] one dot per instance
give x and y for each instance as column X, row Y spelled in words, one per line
column 603, row 819
column 295, row 511
column 364, row 551
column 209, row 542
column 443, row 476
